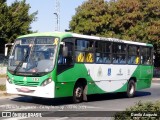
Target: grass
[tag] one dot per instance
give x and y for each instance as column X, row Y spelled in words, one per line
column 139, row 112
column 2, row 88
column 2, row 75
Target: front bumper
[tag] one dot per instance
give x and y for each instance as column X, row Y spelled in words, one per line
column 47, row 91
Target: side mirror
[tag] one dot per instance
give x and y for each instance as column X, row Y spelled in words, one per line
column 65, row 51
column 6, row 51
column 154, row 57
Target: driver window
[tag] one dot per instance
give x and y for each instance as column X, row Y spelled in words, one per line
column 21, row 53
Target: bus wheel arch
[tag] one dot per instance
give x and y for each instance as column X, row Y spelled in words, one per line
column 131, row 87
column 80, row 90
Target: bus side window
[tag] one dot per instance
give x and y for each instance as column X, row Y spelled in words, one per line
column 131, row 60
column 80, row 57
column 89, row 57
column 122, row 59
column 137, row 60
column 84, row 50
column 108, row 59
column 148, row 62
column 134, row 54
column 115, row 59
column 145, row 56
column 99, row 58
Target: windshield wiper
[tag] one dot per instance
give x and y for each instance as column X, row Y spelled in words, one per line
column 21, row 63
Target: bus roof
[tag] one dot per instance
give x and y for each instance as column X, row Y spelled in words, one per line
column 69, row 34
column 56, row 34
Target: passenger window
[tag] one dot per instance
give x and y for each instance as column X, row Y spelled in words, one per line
column 146, row 56
column 119, row 58
column 119, row 53
column 103, row 52
column 80, row 56
column 119, row 48
column 133, row 54
column 84, row 51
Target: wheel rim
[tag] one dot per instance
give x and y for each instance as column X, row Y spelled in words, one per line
column 131, row 89
column 78, row 92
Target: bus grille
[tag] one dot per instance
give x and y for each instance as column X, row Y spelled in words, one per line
column 26, row 83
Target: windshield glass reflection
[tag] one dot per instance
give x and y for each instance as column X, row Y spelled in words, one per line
column 33, row 55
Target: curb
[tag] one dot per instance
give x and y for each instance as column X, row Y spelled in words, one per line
column 155, row 79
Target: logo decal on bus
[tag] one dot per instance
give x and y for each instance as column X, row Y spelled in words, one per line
column 128, row 71
column 55, row 41
column 109, row 72
column 120, row 72
column 99, row 72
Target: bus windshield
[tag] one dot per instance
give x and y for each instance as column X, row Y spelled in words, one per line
column 33, row 55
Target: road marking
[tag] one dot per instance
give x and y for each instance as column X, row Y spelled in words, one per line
column 14, row 107
column 16, row 118
column 23, row 108
column 63, row 118
column 7, row 106
column 93, row 107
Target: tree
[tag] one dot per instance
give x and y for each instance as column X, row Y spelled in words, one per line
column 90, row 18
column 15, row 20
column 137, row 20
column 3, row 18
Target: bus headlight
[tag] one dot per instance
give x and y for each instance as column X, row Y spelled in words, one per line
column 9, row 80
column 46, row 82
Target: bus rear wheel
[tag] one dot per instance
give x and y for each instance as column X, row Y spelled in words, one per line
column 78, row 93
column 131, row 89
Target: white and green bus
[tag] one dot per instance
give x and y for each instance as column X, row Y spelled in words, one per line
column 62, row 64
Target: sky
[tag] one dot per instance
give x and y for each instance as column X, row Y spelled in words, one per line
column 46, row 18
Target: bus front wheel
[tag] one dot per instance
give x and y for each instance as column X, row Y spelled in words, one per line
column 131, row 89
column 78, row 93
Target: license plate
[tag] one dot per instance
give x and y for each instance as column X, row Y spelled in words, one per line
column 24, row 90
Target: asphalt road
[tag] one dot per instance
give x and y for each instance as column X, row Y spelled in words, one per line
column 105, row 102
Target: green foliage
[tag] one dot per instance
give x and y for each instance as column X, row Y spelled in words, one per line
column 2, row 75
column 15, row 19
column 2, row 87
column 140, row 112
column 3, row 18
column 136, row 20
column 90, row 18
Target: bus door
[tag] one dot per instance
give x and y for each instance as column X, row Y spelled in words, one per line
column 65, row 70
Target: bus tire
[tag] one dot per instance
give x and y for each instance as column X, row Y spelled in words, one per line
column 131, row 89
column 35, row 99
column 78, row 93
